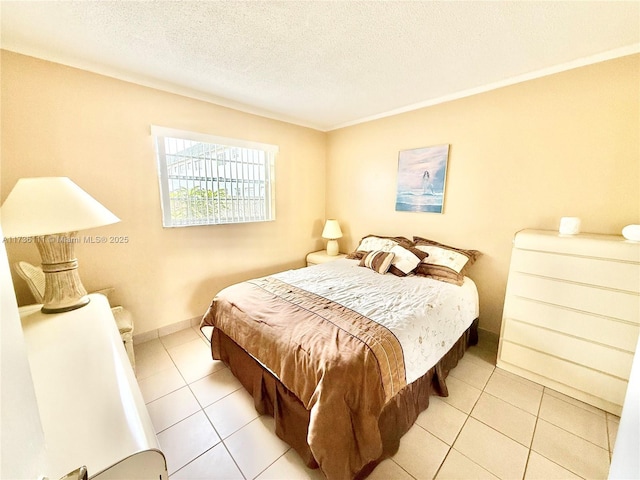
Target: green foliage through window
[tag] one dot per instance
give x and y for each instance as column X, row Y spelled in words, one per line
column 197, row 203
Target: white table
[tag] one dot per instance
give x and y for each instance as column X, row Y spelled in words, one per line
column 91, row 408
column 316, row 258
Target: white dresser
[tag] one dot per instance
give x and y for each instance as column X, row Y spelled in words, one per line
column 572, row 314
column 89, row 402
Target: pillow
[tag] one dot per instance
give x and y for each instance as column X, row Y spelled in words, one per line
column 405, row 260
column 378, row 261
column 445, row 263
column 378, row 242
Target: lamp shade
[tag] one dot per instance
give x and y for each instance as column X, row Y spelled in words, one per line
column 331, row 230
column 48, row 205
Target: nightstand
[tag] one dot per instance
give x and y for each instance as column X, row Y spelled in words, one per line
column 315, row 258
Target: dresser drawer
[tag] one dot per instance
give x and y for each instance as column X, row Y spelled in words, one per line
column 587, row 270
column 587, row 298
column 602, row 358
column 589, row 326
column 591, row 382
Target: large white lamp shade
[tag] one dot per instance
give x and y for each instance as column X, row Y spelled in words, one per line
column 46, row 205
column 52, row 210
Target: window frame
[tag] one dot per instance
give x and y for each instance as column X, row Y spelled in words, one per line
column 159, row 134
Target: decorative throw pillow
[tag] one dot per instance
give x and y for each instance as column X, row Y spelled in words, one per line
column 445, row 263
column 406, row 260
column 378, row 261
column 378, row 242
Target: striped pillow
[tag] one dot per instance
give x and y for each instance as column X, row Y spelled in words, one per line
column 378, row 261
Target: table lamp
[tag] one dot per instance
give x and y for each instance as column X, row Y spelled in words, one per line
column 50, row 211
column 332, row 232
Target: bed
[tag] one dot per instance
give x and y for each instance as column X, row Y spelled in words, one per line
column 344, row 355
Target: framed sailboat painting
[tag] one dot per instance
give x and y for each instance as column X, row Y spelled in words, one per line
column 421, row 179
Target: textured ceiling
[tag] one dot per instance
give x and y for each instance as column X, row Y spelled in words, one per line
column 322, row 64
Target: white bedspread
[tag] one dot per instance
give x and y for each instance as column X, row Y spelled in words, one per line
column 427, row 316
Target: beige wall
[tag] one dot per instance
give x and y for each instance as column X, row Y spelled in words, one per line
column 520, row 157
column 60, row 121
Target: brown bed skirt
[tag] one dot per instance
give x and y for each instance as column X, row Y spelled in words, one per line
column 292, row 419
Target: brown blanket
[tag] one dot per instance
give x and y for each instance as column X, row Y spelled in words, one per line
column 342, row 366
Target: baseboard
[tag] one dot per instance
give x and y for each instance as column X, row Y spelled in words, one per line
column 166, row 330
column 488, row 337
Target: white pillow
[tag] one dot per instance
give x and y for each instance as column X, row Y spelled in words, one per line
column 370, row 244
column 444, row 256
column 404, row 260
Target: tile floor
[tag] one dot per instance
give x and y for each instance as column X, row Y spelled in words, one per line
column 492, row 425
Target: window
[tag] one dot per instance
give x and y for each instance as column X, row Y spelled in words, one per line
column 207, row 180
